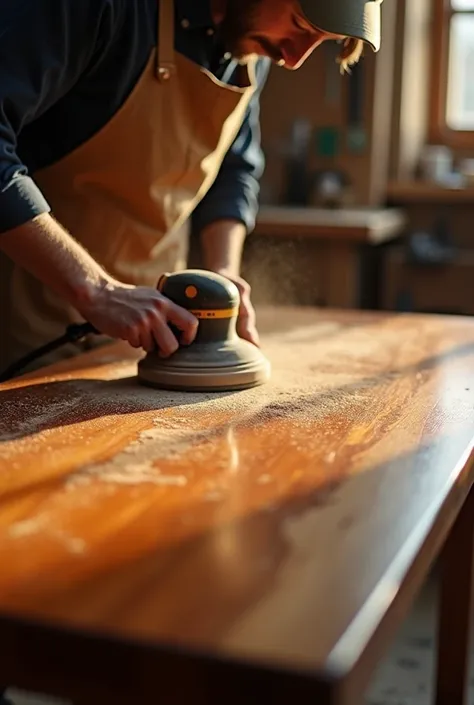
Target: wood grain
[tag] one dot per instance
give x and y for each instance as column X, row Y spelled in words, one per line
column 266, row 542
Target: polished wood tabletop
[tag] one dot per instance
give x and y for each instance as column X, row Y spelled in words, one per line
column 266, row 535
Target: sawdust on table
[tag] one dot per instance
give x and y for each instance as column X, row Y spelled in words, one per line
column 315, row 375
column 309, row 382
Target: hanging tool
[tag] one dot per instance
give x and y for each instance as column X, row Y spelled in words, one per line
column 356, row 129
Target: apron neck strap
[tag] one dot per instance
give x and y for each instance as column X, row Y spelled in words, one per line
column 165, row 64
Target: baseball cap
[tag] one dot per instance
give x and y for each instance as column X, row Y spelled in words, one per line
column 350, row 18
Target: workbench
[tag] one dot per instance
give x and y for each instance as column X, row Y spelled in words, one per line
column 256, row 547
column 320, row 256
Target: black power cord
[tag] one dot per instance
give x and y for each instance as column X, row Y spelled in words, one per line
column 74, row 333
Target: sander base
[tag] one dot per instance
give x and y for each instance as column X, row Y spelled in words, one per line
column 222, row 366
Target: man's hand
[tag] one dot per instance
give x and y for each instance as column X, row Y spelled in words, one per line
column 139, row 315
column 246, row 324
column 222, row 244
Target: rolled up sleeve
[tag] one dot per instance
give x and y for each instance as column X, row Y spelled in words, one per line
column 20, row 201
column 20, row 198
column 235, row 191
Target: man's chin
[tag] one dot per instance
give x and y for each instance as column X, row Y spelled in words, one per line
column 243, row 57
column 246, row 58
column 244, row 51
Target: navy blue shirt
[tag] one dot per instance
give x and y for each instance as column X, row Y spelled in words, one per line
column 66, row 67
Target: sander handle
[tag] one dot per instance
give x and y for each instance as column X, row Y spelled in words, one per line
column 73, row 334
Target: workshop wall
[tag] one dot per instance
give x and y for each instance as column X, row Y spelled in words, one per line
column 327, row 139
column 371, row 127
column 411, row 82
column 349, row 119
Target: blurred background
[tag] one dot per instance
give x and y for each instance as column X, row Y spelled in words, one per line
column 368, row 195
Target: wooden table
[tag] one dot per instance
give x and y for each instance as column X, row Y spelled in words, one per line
column 253, row 547
column 334, row 252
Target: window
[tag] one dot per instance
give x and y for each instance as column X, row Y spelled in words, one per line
column 452, row 106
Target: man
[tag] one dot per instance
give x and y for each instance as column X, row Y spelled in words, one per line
column 112, row 132
column 125, row 118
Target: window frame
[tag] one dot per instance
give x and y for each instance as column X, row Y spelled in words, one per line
column 439, row 131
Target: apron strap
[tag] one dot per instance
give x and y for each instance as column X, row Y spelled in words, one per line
column 165, row 65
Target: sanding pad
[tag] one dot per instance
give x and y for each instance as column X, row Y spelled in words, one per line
column 229, row 365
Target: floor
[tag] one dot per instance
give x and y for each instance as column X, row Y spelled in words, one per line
column 404, row 676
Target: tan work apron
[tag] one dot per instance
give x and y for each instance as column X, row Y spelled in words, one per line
column 126, row 194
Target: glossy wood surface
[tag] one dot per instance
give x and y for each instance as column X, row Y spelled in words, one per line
column 359, row 225
column 274, row 528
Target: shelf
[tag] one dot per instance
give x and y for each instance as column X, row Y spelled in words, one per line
column 361, row 225
column 405, row 192
column 462, row 258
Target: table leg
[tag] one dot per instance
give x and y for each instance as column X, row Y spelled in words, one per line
column 455, row 609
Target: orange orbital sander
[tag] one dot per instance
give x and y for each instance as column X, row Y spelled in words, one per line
column 218, row 360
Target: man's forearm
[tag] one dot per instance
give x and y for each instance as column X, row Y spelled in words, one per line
column 47, row 251
column 222, row 244
column 138, row 314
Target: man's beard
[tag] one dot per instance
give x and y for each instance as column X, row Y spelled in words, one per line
column 238, row 25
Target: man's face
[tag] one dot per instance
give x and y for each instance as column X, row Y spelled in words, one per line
column 274, row 28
